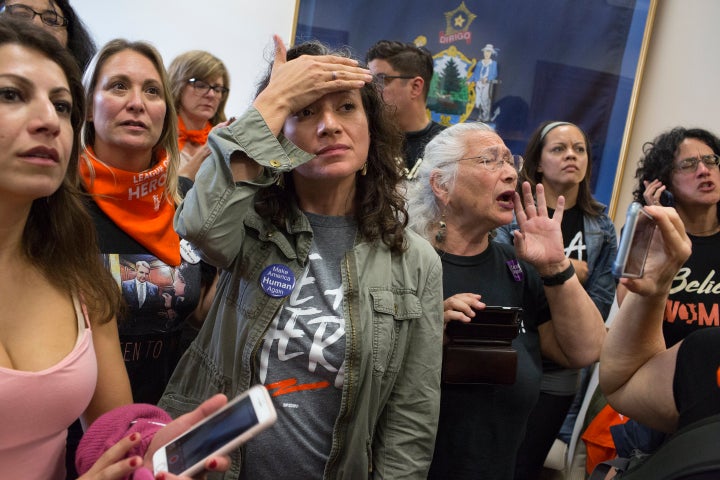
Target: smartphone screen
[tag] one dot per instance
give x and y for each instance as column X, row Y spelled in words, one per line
column 209, row 437
column 634, row 243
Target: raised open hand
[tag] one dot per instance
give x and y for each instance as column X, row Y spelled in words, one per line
column 539, row 240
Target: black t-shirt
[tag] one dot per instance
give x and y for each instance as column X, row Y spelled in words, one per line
column 481, row 426
column 152, row 337
column 415, row 142
column 696, row 385
column 693, row 301
column 572, row 232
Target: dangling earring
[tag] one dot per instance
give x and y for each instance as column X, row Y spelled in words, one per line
column 442, row 231
column 363, row 170
column 280, row 182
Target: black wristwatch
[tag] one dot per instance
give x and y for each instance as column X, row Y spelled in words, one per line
column 559, row 278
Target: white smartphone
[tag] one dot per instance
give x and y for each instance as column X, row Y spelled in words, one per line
column 243, row 417
column 634, row 243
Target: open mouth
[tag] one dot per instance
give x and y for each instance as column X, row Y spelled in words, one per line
column 505, row 197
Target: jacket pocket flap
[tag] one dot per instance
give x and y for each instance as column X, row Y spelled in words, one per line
column 402, row 306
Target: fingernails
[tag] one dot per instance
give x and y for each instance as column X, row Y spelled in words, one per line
column 212, row 464
column 134, row 462
column 160, row 476
column 135, row 437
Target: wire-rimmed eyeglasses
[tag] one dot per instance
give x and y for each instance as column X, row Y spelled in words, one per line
column 23, row 12
column 494, row 161
column 201, row 88
column 689, row 165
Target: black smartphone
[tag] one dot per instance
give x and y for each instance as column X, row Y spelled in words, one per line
column 634, row 243
column 667, row 199
column 493, row 323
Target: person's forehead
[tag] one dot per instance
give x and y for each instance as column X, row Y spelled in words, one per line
column 484, row 139
column 692, row 146
column 39, row 5
column 564, row 133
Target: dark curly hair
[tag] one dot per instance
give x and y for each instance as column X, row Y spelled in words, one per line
column 380, row 207
column 659, row 155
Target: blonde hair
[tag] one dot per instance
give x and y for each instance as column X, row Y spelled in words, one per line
column 167, row 142
column 203, row 66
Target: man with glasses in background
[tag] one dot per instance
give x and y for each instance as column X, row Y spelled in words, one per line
column 403, row 73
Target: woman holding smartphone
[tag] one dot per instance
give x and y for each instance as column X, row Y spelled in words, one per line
column 59, row 356
column 683, row 162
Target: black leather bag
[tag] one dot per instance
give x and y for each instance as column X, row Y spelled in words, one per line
column 481, row 352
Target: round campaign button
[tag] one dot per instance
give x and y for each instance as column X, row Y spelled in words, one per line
column 188, row 253
column 277, row 280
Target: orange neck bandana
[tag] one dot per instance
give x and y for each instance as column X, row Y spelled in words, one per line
column 198, row 137
column 134, row 202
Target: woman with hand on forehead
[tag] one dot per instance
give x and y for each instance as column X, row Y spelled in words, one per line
column 465, row 189
column 326, row 298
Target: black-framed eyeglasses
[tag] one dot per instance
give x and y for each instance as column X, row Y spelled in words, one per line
column 689, row 165
column 201, row 88
column 382, row 78
column 23, row 12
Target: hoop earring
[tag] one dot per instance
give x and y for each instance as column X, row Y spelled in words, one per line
column 363, row 170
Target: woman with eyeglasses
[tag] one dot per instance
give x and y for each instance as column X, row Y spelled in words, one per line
column 200, row 84
column 59, row 19
column 558, row 155
column 681, row 166
column 465, row 190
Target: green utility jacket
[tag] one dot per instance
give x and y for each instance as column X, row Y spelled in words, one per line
column 392, row 307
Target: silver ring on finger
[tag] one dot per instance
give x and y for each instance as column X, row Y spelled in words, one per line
column 334, row 76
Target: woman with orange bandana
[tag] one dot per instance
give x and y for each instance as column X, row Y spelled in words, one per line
column 199, row 84
column 130, row 169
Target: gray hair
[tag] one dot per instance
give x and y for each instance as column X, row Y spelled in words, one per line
column 441, row 156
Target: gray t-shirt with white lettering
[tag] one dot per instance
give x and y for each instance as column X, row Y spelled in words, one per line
column 302, row 363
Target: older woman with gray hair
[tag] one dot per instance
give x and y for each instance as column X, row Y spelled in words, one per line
column 465, row 189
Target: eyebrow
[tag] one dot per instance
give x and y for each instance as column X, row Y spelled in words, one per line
column 27, row 83
column 126, row 78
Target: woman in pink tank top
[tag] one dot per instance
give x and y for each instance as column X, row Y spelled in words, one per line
column 59, row 349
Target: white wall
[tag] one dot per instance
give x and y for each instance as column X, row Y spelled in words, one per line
column 681, row 81
column 238, row 32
